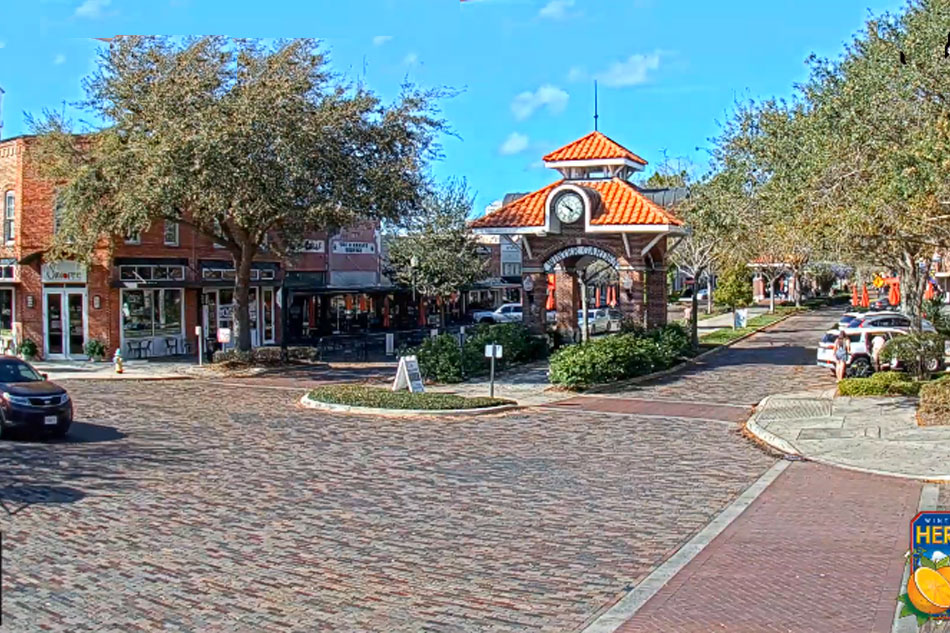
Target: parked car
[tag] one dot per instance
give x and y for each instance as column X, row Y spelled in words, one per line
column 506, row 313
column 883, row 304
column 688, row 295
column 860, row 363
column 889, row 320
column 30, row 402
column 600, row 320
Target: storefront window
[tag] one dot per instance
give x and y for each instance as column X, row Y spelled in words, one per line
column 6, row 310
column 149, row 313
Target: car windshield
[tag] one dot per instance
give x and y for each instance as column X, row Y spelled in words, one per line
column 18, row 372
column 829, row 337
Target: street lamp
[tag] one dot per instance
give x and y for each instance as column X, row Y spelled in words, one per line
column 413, row 262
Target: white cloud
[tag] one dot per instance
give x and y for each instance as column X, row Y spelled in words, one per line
column 379, row 40
column 576, row 73
column 514, row 144
column 411, row 59
column 548, row 96
column 92, row 8
column 631, row 72
column 59, row 59
column 556, row 9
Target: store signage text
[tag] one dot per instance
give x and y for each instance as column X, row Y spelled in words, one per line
column 354, row 248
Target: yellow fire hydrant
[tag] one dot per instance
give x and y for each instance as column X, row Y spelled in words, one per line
column 117, row 361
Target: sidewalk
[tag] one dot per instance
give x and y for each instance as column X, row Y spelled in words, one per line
column 706, row 326
column 133, row 370
column 822, row 549
column 876, row 435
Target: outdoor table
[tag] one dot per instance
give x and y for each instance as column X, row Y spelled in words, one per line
column 140, row 347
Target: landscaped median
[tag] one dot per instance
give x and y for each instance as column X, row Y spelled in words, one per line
column 728, row 335
column 366, row 399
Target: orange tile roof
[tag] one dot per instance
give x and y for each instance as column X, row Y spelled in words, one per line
column 620, row 203
column 592, row 147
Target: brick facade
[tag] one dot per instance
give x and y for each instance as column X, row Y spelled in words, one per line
column 352, row 256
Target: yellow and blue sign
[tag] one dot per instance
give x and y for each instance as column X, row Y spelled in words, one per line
column 928, row 584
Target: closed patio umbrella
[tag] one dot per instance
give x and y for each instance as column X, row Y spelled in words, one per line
column 865, row 300
column 422, row 312
column 362, row 303
column 929, row 292
column 312, row 312
column 612, row 296
column 854, row 295
column 386, row 312
column 348, row 300
column 549, row 304
column 597, row 297
column 894, row 294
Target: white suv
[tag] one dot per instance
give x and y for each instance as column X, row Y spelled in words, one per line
column 859, row 361
column 506, row 313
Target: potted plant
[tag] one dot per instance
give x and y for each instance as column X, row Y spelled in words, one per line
column 27, row 349
column 95, row 349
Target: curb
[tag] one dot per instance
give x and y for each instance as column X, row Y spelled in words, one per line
column 784, row 446
column 112, row 378
column 689, row 361
column 346, row 408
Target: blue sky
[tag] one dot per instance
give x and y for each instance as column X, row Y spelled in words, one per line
column 669, row 70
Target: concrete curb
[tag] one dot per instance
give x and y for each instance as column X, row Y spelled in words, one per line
column 633, row 601
column 689, row 361
column 784, row 446
column 399, row 413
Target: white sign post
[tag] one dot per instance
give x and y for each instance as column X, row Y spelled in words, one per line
column 390, row 344
column 742, row 318
column 200, row 344
column 408, row 375
column 492, row 351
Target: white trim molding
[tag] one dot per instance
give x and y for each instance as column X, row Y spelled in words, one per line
column 594, row 162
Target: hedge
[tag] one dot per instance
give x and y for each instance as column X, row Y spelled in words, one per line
column 619, row 356
column 266, row 355
column 363, row 396
column 885, row 383
column 935, row 402
column 441, row 359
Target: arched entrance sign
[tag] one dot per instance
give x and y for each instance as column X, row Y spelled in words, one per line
column 579, row 251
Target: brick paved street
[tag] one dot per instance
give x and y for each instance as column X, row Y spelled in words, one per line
column 200, row 507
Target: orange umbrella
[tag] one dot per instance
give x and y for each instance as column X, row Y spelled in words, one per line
column 865, row 300
column 386, row 312
column 597, row 297
column 422, row 312
column 312, row 312
column 612, row 296
column 929, row 293
column 362, row 303
column 549, row 304
column 348, row 301
column 894, row 294
column 854, row 295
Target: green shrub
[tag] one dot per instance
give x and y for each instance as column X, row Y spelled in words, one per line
column 27, row 348
column 935, row 402
column 441, row 359
column 94, row 349
column 266, row 356
column 619, row 356
column 363, row 396
column 920, row 353
column 885, row 383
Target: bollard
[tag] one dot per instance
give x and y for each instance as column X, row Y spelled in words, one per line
column 117, row 360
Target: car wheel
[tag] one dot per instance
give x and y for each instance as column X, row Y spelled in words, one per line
column 60, row 432
column 932, row 365
column 487, row 320
column 860, row 368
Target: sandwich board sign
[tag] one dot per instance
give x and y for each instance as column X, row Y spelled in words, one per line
column 408, row 375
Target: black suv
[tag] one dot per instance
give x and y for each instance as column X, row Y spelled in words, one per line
column 29, row 402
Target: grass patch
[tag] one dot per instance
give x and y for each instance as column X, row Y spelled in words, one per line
column 381, row 398
column 727, row 335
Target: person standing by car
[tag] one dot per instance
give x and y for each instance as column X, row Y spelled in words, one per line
column 877, row 344
column 842, row 349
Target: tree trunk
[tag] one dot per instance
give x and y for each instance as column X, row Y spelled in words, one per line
column 694, row 316
column 796, row 280
column 772, row 281
column 242, row 284
column 912, row 285
column 709, row 299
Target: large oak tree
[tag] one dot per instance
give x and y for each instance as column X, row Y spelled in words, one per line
column 251, row 145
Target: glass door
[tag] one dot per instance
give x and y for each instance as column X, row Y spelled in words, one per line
column 252, row 312
column 54, row 325
column 267, row 314
column 65, row 323
column 74, row 323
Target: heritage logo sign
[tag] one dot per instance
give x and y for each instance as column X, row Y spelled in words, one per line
column 928, row 586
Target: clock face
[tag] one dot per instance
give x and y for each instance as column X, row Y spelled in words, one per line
column 569, row 207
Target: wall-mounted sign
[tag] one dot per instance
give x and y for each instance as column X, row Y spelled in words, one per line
column 579, row 251
column 527, row 284
column 63, row 272
column 224, row 335
column 354, row 248
column 313, row 246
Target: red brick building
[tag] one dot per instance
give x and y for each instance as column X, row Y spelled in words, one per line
column 147, row 293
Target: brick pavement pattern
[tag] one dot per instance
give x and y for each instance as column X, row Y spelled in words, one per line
column 778, row 360
column 192, row 506
column 820, row 550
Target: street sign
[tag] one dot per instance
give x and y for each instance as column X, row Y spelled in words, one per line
column 408, row 375
column 493, row 351
column 224, row 335
column 527, row 284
